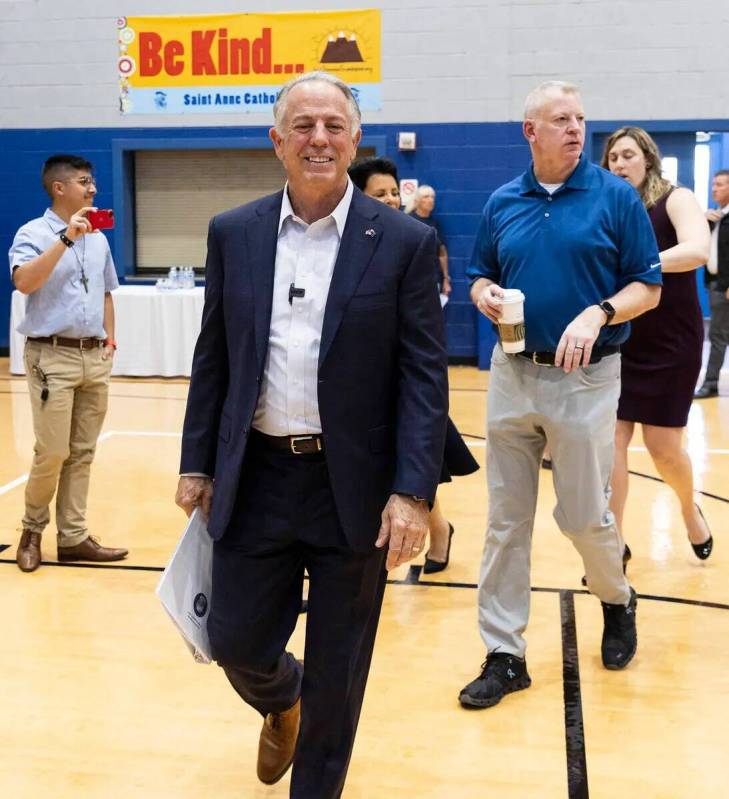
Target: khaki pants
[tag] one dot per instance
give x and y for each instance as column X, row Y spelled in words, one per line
column 66, row 428
column 528, row 407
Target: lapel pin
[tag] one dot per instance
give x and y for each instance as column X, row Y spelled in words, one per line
column 370, row 232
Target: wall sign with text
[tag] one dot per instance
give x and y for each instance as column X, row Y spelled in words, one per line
column 237, row 62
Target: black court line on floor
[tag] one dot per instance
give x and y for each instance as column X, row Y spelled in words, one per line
column 576, row 755
column 574, row 728
column 412, row 578
column 116, row 566
column 697, row 491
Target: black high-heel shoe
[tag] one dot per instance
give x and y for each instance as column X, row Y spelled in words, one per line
column 432, row 566
column 627, row 555
column 702, row 551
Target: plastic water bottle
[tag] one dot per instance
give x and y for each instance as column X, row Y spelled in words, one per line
column 172, row 277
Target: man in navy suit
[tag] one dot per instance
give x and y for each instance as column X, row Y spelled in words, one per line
column 314, row 431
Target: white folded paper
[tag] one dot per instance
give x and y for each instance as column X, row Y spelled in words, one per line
column 185, row 586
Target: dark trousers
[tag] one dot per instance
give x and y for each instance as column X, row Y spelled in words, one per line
column 718, row 335
column 284, row 522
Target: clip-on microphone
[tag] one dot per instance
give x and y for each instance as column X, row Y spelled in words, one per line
column 294, row 292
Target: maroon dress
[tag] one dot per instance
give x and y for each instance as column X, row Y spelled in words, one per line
column 662, row 358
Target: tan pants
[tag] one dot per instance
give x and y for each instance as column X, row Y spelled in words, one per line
column 66, row 428
column 530, row 406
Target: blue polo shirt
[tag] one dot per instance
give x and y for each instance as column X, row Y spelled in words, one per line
column 566, row 251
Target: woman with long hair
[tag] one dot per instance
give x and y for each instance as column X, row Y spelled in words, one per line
column 662, row 358
column 377, row 177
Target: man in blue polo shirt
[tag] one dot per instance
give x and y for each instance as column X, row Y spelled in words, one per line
column 579, row 245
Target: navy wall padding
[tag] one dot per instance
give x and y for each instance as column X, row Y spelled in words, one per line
column 463, row 162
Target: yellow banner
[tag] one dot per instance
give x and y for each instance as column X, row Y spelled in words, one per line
column 247, row 49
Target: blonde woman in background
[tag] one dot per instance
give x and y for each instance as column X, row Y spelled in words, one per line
column 662, row 358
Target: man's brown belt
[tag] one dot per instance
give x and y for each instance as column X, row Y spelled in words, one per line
column 296, row 445
column 76, row 343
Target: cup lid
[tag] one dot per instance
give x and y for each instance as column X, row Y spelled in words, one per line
column 513, row 295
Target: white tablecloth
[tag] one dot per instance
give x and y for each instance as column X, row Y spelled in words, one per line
column 155, row 331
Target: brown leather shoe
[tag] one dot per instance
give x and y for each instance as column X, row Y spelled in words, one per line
column 91, row 549
column 277, row 743
column 28, row 555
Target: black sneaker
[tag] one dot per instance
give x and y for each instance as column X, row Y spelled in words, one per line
column 619, row 636
column 501, row 674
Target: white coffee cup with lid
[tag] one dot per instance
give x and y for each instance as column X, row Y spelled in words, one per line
column 512, row 333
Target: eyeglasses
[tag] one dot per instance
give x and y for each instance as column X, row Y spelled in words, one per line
column 85, row 181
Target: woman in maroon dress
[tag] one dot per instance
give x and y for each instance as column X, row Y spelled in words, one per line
column 662, row 358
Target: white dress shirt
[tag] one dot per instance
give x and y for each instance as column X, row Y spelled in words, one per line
column 288, row 404
column 712, row 265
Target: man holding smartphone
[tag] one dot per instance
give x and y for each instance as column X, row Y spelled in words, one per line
column 67, row 272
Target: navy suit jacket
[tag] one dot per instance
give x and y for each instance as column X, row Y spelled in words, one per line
column 382, row 378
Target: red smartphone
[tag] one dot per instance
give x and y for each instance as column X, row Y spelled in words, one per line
column 103, row 219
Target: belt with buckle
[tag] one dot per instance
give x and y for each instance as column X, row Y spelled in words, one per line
column 547, row 358
column 76, row 343
column 297, row 445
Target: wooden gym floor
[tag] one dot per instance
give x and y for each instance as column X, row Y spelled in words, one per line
column 100, row 700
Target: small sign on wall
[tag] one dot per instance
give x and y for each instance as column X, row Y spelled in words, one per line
column 406, row 140
column 233, row 63
column 408, row 187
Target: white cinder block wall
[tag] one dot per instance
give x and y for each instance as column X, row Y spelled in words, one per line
column 450, row 61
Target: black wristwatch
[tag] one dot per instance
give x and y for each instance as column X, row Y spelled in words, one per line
column 608, row 309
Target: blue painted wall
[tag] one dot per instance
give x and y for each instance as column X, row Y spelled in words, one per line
column 719, row 159
column 464, row 162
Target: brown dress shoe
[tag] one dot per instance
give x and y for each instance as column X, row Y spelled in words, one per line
column 91, row 549
column 277, row 743
column 28, row 555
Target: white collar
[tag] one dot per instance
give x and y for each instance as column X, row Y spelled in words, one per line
column 339, row 214
column 56, row 223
